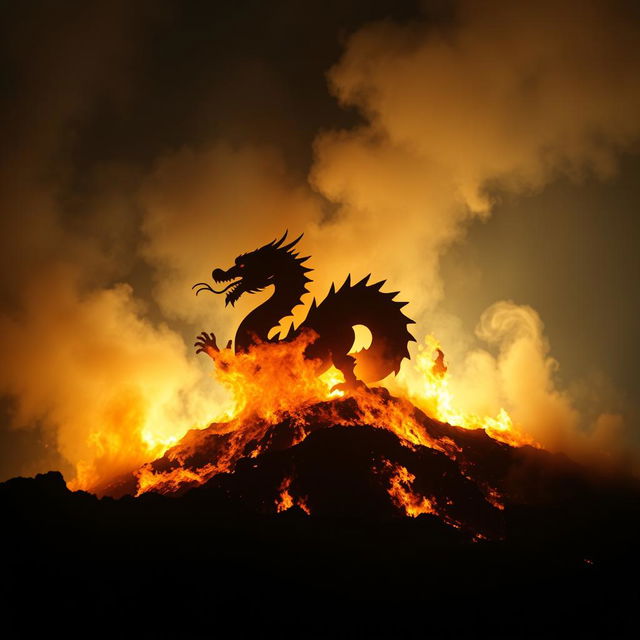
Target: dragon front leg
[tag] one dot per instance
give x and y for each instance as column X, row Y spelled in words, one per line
column 346, row 365
column 206, row 343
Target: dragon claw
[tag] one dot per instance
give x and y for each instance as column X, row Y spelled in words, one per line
column 206, row 343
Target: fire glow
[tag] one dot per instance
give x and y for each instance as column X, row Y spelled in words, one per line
column 274, row 379
column 431, row 392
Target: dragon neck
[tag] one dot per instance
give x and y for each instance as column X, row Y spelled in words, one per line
column 258, row 323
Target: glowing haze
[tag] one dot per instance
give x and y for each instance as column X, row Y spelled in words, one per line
column 454, row 108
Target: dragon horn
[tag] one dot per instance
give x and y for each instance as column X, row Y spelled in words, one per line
column 277, row 244
column 291, row 244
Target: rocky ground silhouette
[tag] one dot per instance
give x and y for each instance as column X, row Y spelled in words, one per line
column 557, row 536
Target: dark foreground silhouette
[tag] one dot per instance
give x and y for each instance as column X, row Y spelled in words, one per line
column 565, row 542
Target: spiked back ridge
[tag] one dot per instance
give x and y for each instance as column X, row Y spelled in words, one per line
column 364, row 303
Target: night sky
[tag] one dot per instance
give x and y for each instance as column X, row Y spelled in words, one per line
column 482, row 156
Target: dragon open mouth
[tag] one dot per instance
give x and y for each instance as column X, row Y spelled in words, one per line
column 203, row 286
column 240, row 281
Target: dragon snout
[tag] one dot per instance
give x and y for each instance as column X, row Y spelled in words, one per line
column 219, row 275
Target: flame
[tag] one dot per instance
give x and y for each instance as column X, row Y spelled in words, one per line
column 285, row 500
column 494, row 498
column 331, row 378
column 170, row 481
column 266, row 382
column 302, row 503
column 272, row 378
column 402, row 494
column 273, row 381
column 430, row 391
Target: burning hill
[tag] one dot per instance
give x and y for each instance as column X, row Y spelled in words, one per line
column 296, row 443
column 368, row 454
column 294, row 438
column 305, row 491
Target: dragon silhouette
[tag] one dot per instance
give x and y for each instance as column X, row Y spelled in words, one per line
column 277, row 264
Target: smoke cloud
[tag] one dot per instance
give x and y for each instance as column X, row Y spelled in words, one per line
column 508, row 99
column 82, row 362
column 112, row 386
column 202, row 209
column 98, row 313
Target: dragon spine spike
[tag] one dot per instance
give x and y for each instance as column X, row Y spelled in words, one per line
column 347, row 283
column 333, row 289
column 378, row 285
column 401, row 304
column 292, row 244
column 363, row 282
column 392, row 294
column 276, row 244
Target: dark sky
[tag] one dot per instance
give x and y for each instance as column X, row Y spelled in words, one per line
column 507, row 138
column 570, row 251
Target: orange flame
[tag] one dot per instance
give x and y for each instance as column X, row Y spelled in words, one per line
column 285, row 500
column 272, row 380
column 431, row 392
column 402, row 494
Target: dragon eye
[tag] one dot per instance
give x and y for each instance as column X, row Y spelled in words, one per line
column 241, row 266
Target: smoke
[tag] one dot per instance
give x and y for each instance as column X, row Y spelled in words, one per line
column 522, row 374
column 506, row 97
column 81, row 360
column 54, row 85
column 509, row 98
column 111, row 386
column 522, row 377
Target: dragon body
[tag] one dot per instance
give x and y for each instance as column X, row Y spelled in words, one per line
column 333, row 319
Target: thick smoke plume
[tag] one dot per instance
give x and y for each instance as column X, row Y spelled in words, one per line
column 112, row 386
column 82, row 361
column 509, row 98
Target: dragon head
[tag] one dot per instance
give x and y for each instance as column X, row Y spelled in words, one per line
column 254, row 271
